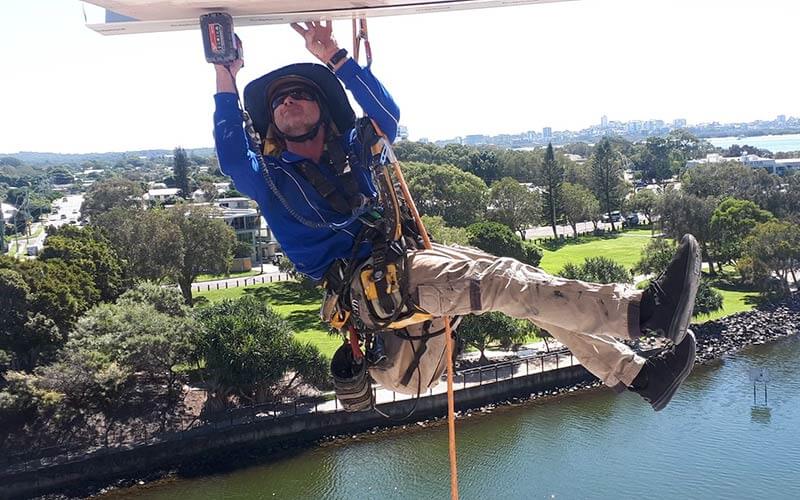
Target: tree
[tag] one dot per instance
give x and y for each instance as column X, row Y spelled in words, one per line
column 10, row 161
column 498, row 239
column 654, row 159
column 441, row 233
column 444, row 190
column 731, row 222
column 88, row 385
column 20, row 404
column 483, row 164
column 644, row 201
column 607, row 181
column 88, row 249
column 180, row 170
column 480, row 331
column 26, row 336
column 57, row 290
column 579, row 205
column 597, row 270
column 207, row 244
column 247, row 349
column 552, row 177
column 181, row 242
column 147, row 240
column 141, row 340
column 209, row 190
column 683, row 213
column 772, row 249
column 514, row 205
column 166, row 300
column 116, row 192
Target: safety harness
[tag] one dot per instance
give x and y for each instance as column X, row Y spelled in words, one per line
column 391, row 230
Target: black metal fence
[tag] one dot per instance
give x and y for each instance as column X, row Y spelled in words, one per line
column 136, row 436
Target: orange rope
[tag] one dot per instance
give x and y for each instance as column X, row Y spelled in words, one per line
column 360, row 33
column 451, row 413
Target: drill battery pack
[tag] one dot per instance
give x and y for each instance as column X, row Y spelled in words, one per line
column 220, row 43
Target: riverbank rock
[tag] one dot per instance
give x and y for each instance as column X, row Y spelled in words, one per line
column 729, row 334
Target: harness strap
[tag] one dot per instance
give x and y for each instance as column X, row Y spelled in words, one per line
column 324, row 187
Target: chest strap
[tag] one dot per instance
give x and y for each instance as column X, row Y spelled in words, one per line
column 345, row 197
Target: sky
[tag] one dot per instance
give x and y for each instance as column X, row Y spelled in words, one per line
column 68, row 89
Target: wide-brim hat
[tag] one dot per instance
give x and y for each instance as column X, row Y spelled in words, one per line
column 257, row 92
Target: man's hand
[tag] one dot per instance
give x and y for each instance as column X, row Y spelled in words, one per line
column 319, row 39
column 226, row 73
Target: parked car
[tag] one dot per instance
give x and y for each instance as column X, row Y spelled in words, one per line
column 616, row 216
column 632, row 220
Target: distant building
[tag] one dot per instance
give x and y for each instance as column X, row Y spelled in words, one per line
column 634, row 126
column 9, row 212
column 679, row 123
column 547, row 133
column 249, row 227
column 475, row 139
column 778, row 167
column 781, row 119
column 604, row 121
column 162, row 195
column 402, row 132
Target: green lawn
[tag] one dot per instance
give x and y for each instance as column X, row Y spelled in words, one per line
column 735, row 296
column 299, row 307
column 733, row 301
column 625, row 248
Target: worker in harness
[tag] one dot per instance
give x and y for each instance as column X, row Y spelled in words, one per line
column 302, row 157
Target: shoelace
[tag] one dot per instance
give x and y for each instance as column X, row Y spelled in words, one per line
column 658, row 292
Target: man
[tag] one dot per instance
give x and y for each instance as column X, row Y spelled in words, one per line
column 301, row 115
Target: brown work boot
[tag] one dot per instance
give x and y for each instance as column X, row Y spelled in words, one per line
column 667, row 303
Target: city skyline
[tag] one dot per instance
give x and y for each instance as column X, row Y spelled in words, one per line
column 635, row 127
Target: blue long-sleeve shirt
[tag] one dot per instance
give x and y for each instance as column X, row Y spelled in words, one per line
column 311, row 250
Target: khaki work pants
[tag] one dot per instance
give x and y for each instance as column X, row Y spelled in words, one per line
column 588, row 318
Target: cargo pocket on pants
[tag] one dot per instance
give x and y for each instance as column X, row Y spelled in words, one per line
column 430, row 299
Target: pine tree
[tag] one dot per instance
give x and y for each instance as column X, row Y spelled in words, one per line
column 180, row 171
column 552, row 178
column 607, row 178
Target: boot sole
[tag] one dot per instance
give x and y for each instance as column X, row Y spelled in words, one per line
column 680, row 321
column 666, row 397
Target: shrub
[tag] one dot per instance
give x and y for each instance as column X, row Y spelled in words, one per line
column 597, row 270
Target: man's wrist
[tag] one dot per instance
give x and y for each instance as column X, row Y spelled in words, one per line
column 336, row 59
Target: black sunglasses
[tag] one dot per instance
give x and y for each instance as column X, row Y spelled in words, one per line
column 296, row 94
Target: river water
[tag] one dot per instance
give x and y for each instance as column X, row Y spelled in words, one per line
column 773, row 143
column 711, row 442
